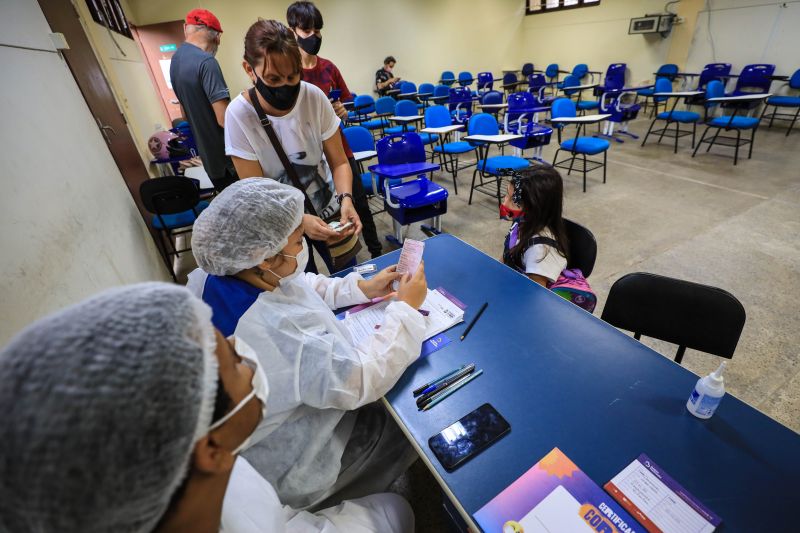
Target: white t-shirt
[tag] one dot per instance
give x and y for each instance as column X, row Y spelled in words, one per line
column 301, row 132
column 541, row 259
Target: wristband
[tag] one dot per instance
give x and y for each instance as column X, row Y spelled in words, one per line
column 340, row 197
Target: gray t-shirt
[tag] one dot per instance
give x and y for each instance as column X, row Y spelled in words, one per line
column 198, row 82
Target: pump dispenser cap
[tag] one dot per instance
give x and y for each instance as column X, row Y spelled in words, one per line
column 716, row 375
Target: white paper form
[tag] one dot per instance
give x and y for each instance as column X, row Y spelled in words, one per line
column 559, row 512
column 410, row 258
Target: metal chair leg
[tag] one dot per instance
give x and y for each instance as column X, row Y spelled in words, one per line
column 472, row 187
column 605, row 160
column 771, row 118
column 752, row 141
column 677, row 134
column 648, row 132
column 791, row 125
column 702, row 138
column 736, row 150
column 571, row 162
column 663, row 131
column 584, row 172
column 713, row 140
column 694, row 132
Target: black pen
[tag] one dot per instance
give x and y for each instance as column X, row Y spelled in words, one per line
column 480, row 312
column 422, row 389
column 447, row 382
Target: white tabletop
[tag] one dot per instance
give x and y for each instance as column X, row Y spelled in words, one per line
column 493, row 139
column 407, row 95
column 443, row 129
column 411, row 118
column 587, row 119
column 366, row 154
column 680, row 93
column 494, row 106
column 740, row 98
column 580, row 87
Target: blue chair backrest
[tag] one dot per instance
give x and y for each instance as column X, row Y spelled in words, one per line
column 359, row 139
column 492, row 97
column 714, row 89
column 441, row 90
column 571, row 81
column 405, row 108
column 460, row 95
column 437, row 116
column 563, row 107
column 520, row 104
column 425, row 88
column 713, row 71
column 552, row 70
column 580, row 70
column 364, row 104
column 509, row 77
column 448, row 78
column 464, row 78
column 485, row 80
column 482, row 124
column 536, row 82
column 527, row 69
column 754, row 78
column 407, row 87
column 385, row 104
column 615, row 76
column 400, row 148
column 663, row 85
column 669, row 71
column 794, row 81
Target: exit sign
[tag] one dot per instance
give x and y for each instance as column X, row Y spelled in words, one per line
column 168, row 47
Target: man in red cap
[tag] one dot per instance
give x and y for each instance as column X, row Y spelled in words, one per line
column 201, row 89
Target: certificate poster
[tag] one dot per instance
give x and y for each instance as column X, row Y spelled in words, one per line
column 554, row 495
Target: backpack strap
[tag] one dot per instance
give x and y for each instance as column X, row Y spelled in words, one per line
column 544, row 240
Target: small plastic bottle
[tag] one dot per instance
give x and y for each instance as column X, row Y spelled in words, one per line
column 707, row 394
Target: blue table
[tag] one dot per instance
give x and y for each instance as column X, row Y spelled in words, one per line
column 563, row 377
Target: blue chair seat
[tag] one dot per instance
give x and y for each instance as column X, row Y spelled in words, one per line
column 416, row 193
column 680, row 116
column 498, row 162
column 459, row 147
column 586, row 145
column 741, row 123
column 429, row 138
column 399, row 129
column 375, row 123
column 588, row 104
column 179, row 220
column 786, row 101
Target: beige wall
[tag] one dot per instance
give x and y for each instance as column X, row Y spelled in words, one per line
column 126, row 71
column 597, row 36
column 70, row 227
column 425, row 36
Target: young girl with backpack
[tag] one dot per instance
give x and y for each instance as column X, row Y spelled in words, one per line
column 537, row 243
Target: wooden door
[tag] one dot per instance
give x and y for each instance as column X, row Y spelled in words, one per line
column 158, row 43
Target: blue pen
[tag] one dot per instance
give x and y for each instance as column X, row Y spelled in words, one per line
column 437, row 384
column 418, row 391
column 442, row 384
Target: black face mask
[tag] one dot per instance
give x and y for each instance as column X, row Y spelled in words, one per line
column 310, row 44
column 281, row 98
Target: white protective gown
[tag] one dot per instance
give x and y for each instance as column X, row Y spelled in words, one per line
column 313, row 444
column 251, row 505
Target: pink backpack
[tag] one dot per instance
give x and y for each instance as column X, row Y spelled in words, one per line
column 572, row 286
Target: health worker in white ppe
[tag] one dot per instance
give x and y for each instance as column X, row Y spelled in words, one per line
column 325, row 437
column 126, row 412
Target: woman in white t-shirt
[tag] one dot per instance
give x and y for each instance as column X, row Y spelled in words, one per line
column 536, row 244
column 305, row 124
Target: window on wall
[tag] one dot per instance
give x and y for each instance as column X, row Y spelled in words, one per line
column 546, row 6
column 109, row 13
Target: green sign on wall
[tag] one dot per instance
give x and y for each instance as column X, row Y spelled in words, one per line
column 168, row 47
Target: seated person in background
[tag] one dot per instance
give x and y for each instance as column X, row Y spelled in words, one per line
column 384, row 79
column 324, row 434
column 126, row 412
column 305, row 20
column 537, row 243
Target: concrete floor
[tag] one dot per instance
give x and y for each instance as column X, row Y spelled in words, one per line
column 699, row 219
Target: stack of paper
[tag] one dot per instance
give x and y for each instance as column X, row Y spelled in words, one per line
column 441, row 313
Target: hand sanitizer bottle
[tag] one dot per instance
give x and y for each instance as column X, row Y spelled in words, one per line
column 707, row 394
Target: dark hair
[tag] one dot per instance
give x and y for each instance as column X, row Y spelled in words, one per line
column 270, row 36
column 389, row 59
column 541, row 203
column 304, row 15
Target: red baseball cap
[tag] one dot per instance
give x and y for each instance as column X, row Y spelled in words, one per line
column 203, row 17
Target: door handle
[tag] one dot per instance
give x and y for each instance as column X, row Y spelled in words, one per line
column 104, row 129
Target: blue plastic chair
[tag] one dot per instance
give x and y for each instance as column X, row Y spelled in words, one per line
column 383, row 107
column 733, row 122
column 580, row 71
column 425, row 92
column 785, row 101
column 713, row 71
column 537, row 86
column 664, row 85
column 448, row 78
column 551, row 72
column 492, row 97
column 438, row 117
column 521, row 119
column 611, row 94
column 668, row 71
column 510, row 82
column 527, row 70
column 460, row 104
column 465, row 78
column 578, row 145
column 413, row 199
column 491, row 168
column 754, row 79
column 441, row 94
column 363, row 107
column 407, row 87
column 581, row 104
column 485, row 81
column 404, row 108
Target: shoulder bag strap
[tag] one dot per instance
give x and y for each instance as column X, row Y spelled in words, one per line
column 276, row 144
column 544, row 240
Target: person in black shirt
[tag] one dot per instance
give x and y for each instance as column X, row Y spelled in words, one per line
column 384, row 79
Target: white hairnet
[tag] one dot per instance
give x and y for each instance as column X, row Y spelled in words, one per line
column 102, row 405
column 250, row 221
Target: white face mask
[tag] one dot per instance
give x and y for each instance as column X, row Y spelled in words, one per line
column 302, row 261
column 260, row 391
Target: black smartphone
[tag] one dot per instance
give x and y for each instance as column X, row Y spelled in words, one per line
column 466, row 438
column 335, row 94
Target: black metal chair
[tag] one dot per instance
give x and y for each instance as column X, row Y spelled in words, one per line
column 688, row 314
column 582, row 247
column 175, row 204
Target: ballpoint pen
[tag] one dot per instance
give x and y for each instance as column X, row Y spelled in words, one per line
column 450, row 390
